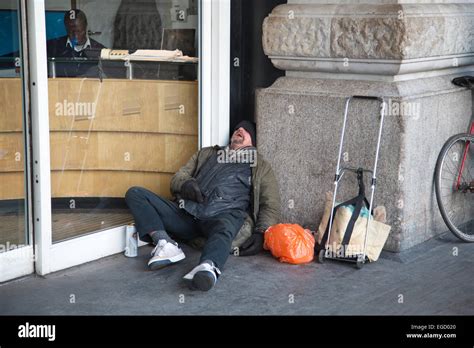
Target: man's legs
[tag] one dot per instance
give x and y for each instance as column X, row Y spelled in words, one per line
column 154, row 217
column 153, row 213
column 220, row 232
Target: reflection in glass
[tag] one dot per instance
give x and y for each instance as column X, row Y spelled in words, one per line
column 12, row 149
column 123, row 103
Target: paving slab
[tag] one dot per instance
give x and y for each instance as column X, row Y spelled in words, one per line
column 434, row 278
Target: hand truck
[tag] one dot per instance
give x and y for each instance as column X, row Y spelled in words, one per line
column 323, row 250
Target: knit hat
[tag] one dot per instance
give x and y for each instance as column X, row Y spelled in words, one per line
column 249, row 126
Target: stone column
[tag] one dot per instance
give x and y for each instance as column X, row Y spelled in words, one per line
column 405, row 51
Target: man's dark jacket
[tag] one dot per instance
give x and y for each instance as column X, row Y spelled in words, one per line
column 265, row 194
column 224, row 185
column 57, row 48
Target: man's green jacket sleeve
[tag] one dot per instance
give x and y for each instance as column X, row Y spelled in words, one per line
column 184, row 174
column 269, row 211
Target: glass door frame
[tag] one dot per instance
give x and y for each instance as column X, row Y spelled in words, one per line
column 214, row 95
column 20, row 261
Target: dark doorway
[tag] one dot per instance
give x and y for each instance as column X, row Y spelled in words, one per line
column 250, row 68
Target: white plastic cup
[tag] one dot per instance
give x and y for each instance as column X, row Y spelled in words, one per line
column 131, row 241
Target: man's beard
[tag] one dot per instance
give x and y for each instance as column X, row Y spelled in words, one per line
column 237, row 141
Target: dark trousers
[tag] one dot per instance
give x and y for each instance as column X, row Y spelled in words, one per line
column 154, row 213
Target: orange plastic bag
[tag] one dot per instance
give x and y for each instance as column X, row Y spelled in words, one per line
column 290, row 243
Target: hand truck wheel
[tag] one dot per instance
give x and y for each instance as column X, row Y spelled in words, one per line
column 321, row 254
column 360, row 262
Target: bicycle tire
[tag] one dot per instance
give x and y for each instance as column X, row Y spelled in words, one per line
column 442, row 155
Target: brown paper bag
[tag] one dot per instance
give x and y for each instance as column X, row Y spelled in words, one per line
column 378, row 233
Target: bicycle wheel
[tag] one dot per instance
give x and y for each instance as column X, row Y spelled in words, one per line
column 454, row 183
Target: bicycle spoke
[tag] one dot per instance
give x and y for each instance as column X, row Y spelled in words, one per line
column 450, row 170
column 466, row 174
column 451, row 183
column 447, row 192
column 466, row 167
column 469, row 160
column 451, row 178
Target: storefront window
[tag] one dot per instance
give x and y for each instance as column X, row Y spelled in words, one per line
column 13, row 231
column 123, row 105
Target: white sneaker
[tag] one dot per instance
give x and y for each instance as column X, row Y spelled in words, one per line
column 164, row 254
column 203, row 277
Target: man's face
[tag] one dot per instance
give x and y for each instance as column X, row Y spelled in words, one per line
column 241, row 138
column 77, row 29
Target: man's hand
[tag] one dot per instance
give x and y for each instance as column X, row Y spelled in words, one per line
column 190, row 190
column 253, row 245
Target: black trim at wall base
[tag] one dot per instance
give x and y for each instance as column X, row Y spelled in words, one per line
column 89, row 203
column 17, row 205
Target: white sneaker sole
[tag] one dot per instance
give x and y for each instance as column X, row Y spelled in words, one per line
column 203, row 277
column 203, row 280
column 158, row 263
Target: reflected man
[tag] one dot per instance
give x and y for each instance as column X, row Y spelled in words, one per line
column 76, row 45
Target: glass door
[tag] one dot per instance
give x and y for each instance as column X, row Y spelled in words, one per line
column 123, row 92
column 16, row 251
column 123, row 106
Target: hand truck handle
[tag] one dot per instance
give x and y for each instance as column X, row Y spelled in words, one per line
column 367, row 97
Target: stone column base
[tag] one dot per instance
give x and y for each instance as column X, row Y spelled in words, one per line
column 299, row 124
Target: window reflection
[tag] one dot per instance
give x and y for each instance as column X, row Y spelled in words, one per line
column 13, row 226
column 123, row 101
column 140, row 34
column 76, row 45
